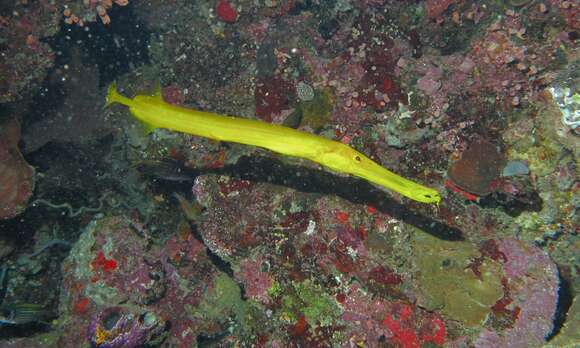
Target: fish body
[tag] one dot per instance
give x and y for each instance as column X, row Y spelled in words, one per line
column 167, row 170
column 156, row 113
column 21, row 314
column 4, row 321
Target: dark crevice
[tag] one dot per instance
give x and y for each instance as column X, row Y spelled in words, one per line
column 206, row 341
column 565, row 299
column 217, row 261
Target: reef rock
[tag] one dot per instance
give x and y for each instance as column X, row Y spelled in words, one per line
column 16, row 176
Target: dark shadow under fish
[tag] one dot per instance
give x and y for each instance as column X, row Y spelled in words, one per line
column 166, row 170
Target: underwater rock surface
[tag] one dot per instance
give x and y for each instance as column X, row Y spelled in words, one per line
column 531, row 286
column 16, row 176
column 113, row 268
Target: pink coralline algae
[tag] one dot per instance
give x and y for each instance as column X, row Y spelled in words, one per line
column 430, row 82
column 428, row 85
column 123, row 292
column 507, row 68
column 532, row 282
column 402, row 324
column 255, row 280
column 16, row 176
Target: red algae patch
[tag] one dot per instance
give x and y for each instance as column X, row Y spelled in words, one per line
column 226, row 12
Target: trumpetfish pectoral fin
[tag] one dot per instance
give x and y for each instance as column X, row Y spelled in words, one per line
column 147, row 128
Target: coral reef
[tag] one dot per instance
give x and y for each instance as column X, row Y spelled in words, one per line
column 112, row 274
column 475, row 285
column 161, row 239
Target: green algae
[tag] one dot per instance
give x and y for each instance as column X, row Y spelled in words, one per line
column 541, row 158
column 447, row 283
column 223, row 300
column 310, row 300
column 316, row 113
column 275, row 290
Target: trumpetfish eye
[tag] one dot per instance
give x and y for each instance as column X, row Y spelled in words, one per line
column 357, row 158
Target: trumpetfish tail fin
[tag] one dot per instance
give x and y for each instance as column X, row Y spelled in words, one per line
column 113, row 96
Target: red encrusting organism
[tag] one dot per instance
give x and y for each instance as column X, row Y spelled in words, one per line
column 101, row 262
column 226, row 12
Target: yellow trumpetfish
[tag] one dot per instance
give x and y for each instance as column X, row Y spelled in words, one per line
column 156, row 113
